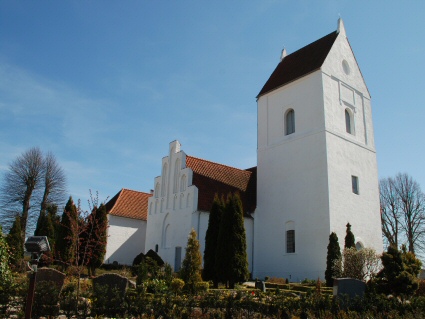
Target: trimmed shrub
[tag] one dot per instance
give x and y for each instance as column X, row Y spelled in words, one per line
column 202, row 286
column 177, row 285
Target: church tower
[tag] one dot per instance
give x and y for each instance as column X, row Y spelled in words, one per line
column 317, row 167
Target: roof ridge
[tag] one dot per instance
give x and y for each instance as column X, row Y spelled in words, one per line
column 242, row 170
column 313, row 43
column 132, row 190
column 299, row 63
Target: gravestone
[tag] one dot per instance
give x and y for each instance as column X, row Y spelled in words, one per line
column 348, row 286
column 109, row 293
column 48, row 274
column 259, row 284
column 112, row 282
column 49, row 283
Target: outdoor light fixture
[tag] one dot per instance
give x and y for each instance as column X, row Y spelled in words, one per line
column 36, row 245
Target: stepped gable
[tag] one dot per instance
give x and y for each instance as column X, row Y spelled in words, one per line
column 211, row 178
column 300, row 63
column 129, row 204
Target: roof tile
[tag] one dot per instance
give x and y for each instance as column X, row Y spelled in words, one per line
column 129, row 204
column 211, row 178
column 300, row 63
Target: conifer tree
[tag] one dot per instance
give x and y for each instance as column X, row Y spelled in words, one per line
column 15, row 242
column 94, row 239
column 6, row 278
column 67, row 237
column 350, row 241
column 211, row 238
column 231, row 259
column 46, row 224
column 399, row 275
column 332, row 260
column 191, row 269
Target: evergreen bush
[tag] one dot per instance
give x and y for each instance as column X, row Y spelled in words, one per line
column 350, row 241
column 333, row 260
column 192, row 263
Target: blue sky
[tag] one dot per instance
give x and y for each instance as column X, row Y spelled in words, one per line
column 106, row 85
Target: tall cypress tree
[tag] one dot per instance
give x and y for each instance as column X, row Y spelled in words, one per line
column 332, row 259
column 67, row 237
column 231, row 260
column 211, row 238
column 190, row 272
column 350, row 241
column 95, row 237
column 45, row 228
column 15, row 242
column 46, row 224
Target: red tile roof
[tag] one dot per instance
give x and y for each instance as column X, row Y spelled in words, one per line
column 211, row 178
column 300, row 63
column 130, row 204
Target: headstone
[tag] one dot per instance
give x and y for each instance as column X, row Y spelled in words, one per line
column 113, row 282
column 48, row 274
column 49, row 283
column 259, row 284
column 348, row 286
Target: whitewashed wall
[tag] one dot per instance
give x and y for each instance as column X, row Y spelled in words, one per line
column 291, row 182
column 351, row 154
column 173, row 213
column 126, row 239
column 305, row 178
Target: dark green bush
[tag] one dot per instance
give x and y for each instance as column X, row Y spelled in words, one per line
column 46, row 300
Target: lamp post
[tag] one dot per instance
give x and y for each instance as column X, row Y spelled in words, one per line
column 36, row 245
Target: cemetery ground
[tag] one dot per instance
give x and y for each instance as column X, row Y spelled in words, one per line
column 120, row 293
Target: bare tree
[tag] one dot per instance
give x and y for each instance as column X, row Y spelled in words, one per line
column 403, row 212
column 32, row 180
column 20, row 182
column 54, row 182
column 412, row 202
column 391, row 214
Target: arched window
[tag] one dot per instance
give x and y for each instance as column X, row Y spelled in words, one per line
column 165, row 232
column 290, row 237
column 290, row 122
column 359, row 245
column 348, row 121
column 183, row 183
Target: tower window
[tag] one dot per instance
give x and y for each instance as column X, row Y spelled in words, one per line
column 290, row 241
column 290, row 122
column 355, row 184
column 348, row 122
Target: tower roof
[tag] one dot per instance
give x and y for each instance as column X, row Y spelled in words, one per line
column 299, row 63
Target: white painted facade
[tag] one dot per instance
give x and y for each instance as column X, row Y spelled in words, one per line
column 126, row 239
column 305, row 178
column 173, row 211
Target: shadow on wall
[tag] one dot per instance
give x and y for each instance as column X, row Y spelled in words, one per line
column 126, row 253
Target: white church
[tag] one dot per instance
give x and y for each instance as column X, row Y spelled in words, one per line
column 316, row 171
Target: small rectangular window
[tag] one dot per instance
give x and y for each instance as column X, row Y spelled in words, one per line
column 290, row 241
column 355, row 184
